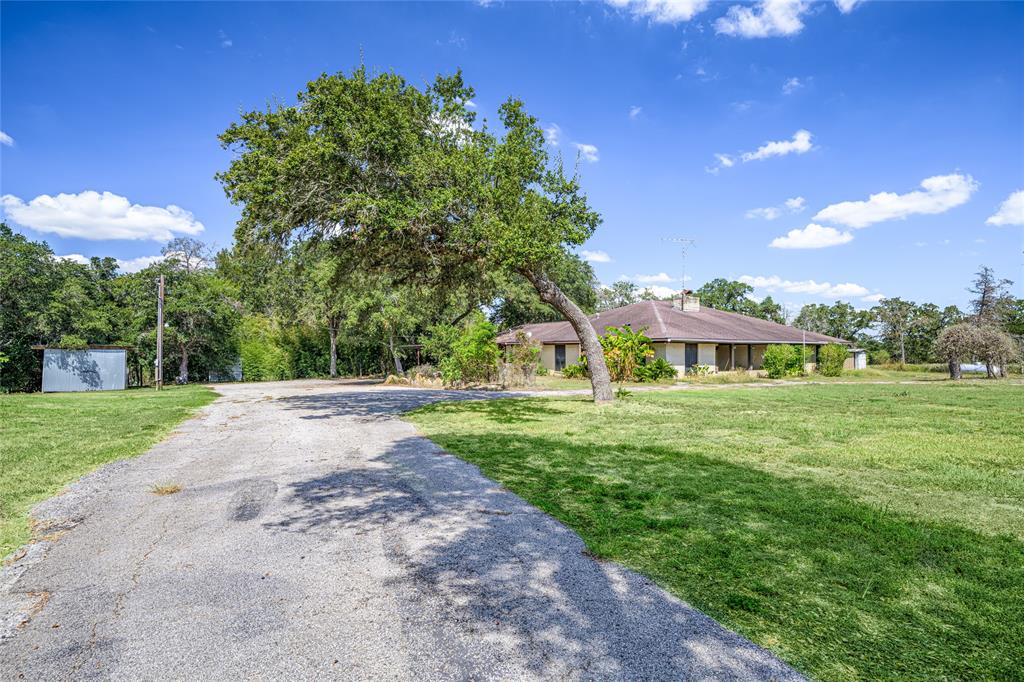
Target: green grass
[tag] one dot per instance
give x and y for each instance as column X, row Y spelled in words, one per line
column 874, row 373
column 862, row 532
column 49, row 440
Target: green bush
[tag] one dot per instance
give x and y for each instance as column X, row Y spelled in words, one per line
column 575, row 371
column 878, row 357
column 263, row 357
column 831, row 359
column 624, row 351
column 655, row 370
column 782, row 360
column 474, row 353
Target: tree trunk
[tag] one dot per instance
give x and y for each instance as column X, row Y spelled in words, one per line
column 551, row 294
column 394, row 355
column 183, row 367
column 333, row 331
column 989, row 370
column 954, row 369
column 903, row 350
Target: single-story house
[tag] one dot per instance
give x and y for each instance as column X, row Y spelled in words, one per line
column 685, row 334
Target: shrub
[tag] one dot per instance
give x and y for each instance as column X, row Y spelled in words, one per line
column 624, row 351
column 542, row 371
column 878, row 357
column 782, row 360
column 474, row 353
column 656, row 370
column 996, row 349
column 831, row 359
column 575, row 371
column 700, row 370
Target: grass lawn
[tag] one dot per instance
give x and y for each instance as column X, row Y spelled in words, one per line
column 49, row 440
column 552, row 382
column 862, row 532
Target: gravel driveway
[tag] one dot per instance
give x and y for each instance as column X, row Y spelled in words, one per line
column 318, row 537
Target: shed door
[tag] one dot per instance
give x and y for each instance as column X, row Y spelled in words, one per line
column 559, row 357
column 691, row 355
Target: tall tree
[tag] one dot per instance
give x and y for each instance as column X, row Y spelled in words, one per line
column 400, row 174
column 992, row 296
column 190, row 254
column 736, row 297
column 896, row 318
column 620, row 293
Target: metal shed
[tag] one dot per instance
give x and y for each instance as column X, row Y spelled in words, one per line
column 96, row 368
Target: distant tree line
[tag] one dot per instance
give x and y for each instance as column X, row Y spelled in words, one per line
column 305, row 309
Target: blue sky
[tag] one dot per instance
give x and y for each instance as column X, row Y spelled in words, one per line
column 790, row 140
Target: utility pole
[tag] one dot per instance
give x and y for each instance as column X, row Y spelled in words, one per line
column 160, row 333
column 684, row 244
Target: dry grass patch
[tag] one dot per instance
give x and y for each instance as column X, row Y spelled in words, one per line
column 166, row 489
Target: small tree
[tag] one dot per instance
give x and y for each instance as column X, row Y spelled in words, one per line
column 831, row 359
column 474, row 355
column 955, row 344
column 624, row 351
column 996, row 349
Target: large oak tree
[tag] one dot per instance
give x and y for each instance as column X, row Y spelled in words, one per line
column 400, row 175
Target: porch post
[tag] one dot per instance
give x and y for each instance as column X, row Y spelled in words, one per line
column 750, row 356
column 732, row 356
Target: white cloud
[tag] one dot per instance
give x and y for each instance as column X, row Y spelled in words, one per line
column 941, row 193
column 765, row 19
column 129, row 265
column 470, row 104
column 794, row 205
column 663, row 292
column 846, row 6
column 800, row 144
column 663, row 11
column 588, row 152
column 595, row 256
column 791, row 85
column 224, row 40
column 553, row 134
column 873, row 298
column 811, row 237
column 6, row 139
column 775, row 283
column 1011, row 211
column 635, row 111
column 94, row 216
column 724, row 161
column 660, row 278
column 135, row 264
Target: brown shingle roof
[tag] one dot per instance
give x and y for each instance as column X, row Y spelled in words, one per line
column 664, row 322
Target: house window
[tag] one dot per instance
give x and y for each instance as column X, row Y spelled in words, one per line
column 559, row 357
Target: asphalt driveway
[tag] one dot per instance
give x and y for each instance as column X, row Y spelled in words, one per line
column 318, row 537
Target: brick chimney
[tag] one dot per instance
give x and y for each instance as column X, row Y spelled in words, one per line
column 687, row 302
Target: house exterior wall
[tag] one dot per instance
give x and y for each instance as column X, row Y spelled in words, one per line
column 706, row 354
column 572, row 354
column 674, row 354
column 758, row 355
column 547, row 355
column 93, row 369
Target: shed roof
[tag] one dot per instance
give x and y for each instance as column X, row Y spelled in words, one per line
column 91, row 346
column 664, row 322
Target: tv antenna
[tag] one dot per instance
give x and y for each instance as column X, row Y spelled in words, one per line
column 684, row 245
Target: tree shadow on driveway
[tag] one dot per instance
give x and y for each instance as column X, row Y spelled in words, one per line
column 501, row 589
column 384, row 403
